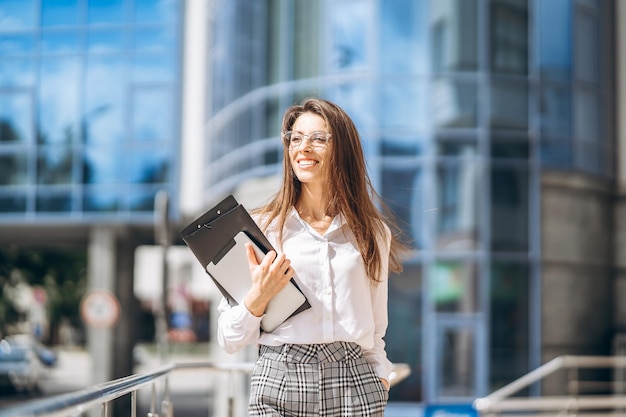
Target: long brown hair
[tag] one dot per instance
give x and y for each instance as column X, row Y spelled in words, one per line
column 349, row 188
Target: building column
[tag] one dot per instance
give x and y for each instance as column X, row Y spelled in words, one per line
column 620, row 191
column 101, row 276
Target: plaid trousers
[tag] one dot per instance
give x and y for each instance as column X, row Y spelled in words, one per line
column 332, row 380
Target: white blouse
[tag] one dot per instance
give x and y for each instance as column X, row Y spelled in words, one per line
column 345, row 304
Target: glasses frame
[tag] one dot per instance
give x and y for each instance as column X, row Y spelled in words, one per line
column 306, row 138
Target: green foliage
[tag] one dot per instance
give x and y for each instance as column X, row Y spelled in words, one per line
column 62, row 273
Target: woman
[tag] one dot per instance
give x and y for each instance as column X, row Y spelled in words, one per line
column 329, row 360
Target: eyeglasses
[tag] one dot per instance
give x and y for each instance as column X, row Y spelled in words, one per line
column 318, row 140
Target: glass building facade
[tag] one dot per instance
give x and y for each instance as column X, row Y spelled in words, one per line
column 461, row 105
column 89, row 108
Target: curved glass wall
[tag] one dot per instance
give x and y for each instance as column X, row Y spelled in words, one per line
column 460, row 103
column 88, row 107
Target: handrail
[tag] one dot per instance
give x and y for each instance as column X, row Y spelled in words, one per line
column 77, row 402
column 498, row 400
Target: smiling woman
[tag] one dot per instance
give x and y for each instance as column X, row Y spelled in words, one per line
column 338, row 248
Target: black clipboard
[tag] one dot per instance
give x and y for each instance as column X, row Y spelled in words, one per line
column 212, row 236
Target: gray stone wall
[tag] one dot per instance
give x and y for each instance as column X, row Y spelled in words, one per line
column 577, row 306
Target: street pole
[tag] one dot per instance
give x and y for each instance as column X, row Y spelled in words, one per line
column 162, row 237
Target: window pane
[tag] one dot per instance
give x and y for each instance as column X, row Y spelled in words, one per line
column 509, row 209
column 17, row 72
column 59, row 100
column 457, row 205
column 405, row 324
column 507, row 149
column 159, row 39
column 54, row 166
column 105, row 11
column 556, row 152
column 454, row 103
column 306, row 25
column 12, row 202
column 555, row 43
column 454, row 35
column 148, row 165
column 586, row 115
column 458, row 365
column 405, row 105
column 509, row 36
column 16, row 44
column 60, row 41
column 556, row 110
column 141, row 199
column 154, row 11
column 54, row 202
column 59, row 12
column 403, row 36
column 16, row 117
column 453, row 287
column 152, row 115
column 509, row 105
column 103, row 121
column 14, row 168
column 509, row 338
column 349, row 32
column 105, row 40
column 102, row 199
column 103, row 165
column 587, row 47
column 402, row 191
column 149, row 68
column 18, row 14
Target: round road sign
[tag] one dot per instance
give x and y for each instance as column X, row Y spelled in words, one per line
column 100, row 308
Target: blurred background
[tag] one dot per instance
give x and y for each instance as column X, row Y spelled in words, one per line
column 491, row 127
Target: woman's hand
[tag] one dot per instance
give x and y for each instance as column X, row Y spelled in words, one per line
column 269, row 276
column 385, row 383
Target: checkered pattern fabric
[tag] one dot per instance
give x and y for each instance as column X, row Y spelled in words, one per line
column 331, row 380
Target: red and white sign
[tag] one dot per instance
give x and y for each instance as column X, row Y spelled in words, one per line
column 100, row 308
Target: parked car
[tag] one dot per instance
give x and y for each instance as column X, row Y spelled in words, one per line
column 20, row 367
column 47, row 356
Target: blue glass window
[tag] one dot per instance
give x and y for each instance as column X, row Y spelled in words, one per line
column 404, row 105
column 105, row 11
column 160, row 39
column 454, row 103
column 510, row 204
column 149, row 68
column 14, row 44
column 457, row 224
column 453, row 287
column 152, row 115
column 16, row 117
column 60, row 41
column 350, row 35
column 103, row 165
column 18, row 14
column 102, row 199
column 13, row 202
column 55, row 165
column 403, row 38
column 154, row 11
column 59, row 100
column 509, row 337
column 402, row 189
column 105, row 40
column 103, row 120
column 555, row 38
column 13, row 168
column 148, row 165
column 17, row 72
column 59, row 12
column 54, row 202
column 509, row 105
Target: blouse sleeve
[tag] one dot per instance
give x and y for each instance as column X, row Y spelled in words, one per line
column 236, row 327
column 377, row 356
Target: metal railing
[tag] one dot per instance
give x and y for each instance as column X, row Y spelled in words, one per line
column 580, row 397
column 76, row 403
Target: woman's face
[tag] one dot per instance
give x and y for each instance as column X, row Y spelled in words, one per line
column 309, row 159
